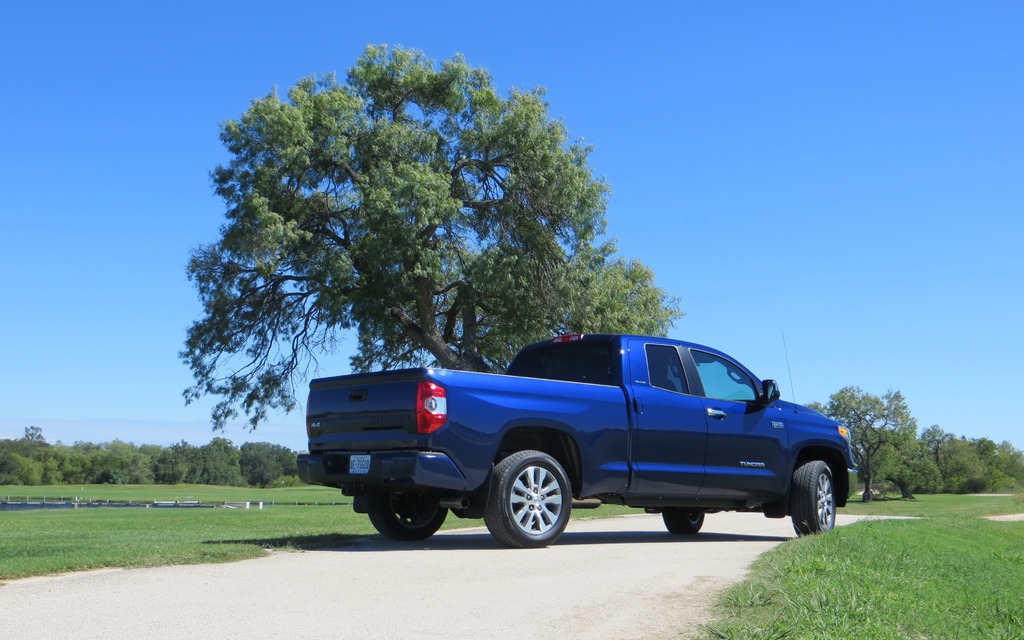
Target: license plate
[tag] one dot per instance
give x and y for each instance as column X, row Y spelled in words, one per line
column 359, row 465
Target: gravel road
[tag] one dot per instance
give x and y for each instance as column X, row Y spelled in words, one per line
column 608, row 578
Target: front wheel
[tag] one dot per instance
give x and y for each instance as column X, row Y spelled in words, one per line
column 529, row 502
column 405, row 516
column 681, row 521
column 812, row 501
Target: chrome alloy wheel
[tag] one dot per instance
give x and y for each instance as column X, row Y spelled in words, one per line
column 826, row 503
column 535, row 500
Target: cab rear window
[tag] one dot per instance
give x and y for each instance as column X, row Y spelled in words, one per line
column 572, row 362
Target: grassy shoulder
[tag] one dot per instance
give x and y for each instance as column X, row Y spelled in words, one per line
column 948, row 574
column 53, row 541
column 938, row 506
column 47, row 542
column 148, row 493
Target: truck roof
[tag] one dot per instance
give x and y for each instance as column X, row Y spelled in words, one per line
column 610, row 337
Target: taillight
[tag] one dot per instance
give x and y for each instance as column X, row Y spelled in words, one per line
column 431, row 407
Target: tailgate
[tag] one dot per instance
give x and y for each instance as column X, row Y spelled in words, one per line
column 376, row 409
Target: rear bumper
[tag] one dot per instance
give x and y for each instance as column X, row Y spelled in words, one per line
column 391, row 469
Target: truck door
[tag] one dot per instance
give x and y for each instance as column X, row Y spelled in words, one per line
column 671, row 434
column 747, row 441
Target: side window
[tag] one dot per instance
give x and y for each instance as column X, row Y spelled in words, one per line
column 664, row 369
column 722, row 379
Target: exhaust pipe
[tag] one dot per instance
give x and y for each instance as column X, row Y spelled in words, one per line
column 454, row 503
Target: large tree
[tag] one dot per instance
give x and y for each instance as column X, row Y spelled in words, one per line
column 881, row 429
column 444, row 223
column 908, row 464
column 263, row 463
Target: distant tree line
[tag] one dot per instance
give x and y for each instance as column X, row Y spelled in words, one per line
column 31, row 460
column 889, row 451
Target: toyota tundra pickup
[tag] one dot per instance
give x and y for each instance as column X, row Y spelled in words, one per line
column 670, row 427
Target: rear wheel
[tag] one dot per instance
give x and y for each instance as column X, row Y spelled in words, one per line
column 682, row 521
column 812, row 501
column 530, row 500
column 405, row 516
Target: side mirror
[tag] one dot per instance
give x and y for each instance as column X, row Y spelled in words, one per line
column 769, row 392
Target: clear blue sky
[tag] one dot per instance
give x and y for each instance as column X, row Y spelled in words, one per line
column 848, row 174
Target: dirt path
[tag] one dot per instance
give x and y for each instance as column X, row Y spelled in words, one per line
column 621, row 577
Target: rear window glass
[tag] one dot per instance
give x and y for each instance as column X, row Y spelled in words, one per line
column 572, row 362
column 664, row 369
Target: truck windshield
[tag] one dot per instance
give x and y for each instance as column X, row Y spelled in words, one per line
column 572, row 362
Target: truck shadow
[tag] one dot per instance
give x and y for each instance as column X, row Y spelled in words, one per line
column 648, row 537
column 472, row 540
column 301, row 543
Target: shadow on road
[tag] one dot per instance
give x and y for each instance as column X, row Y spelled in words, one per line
column 649, row 537
column 330, row 541
column 467, row 540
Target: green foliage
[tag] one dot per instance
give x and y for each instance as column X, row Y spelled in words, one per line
column 33, row 461
column 264, row 464
column 887, row 448
column 221, row 464
column 17, row 469
column 447, row 224
column 907, row 465
column 881, row 428
column 976, row 465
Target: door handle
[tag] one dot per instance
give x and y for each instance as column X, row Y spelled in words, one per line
column 717, row 414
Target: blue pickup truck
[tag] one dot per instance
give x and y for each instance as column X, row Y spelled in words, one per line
column 581, row 420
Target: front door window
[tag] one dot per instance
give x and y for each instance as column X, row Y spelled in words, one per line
column 722, row 379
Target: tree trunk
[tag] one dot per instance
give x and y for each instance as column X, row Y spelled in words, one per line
column 905, row 491
column 868, row 496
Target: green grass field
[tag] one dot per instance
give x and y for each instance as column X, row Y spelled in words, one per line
column 46, row 542
column 56, row 541
column 949, row 574
column 937, row 506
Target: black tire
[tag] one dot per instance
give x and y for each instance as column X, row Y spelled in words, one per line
column 682, row 521
column 529, row 502
column 405, row 516
column 812, row 503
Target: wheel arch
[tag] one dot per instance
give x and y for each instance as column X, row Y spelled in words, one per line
column 556, row 443
column 836, row 462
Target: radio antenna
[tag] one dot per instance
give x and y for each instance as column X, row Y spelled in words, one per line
column 792, row 389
